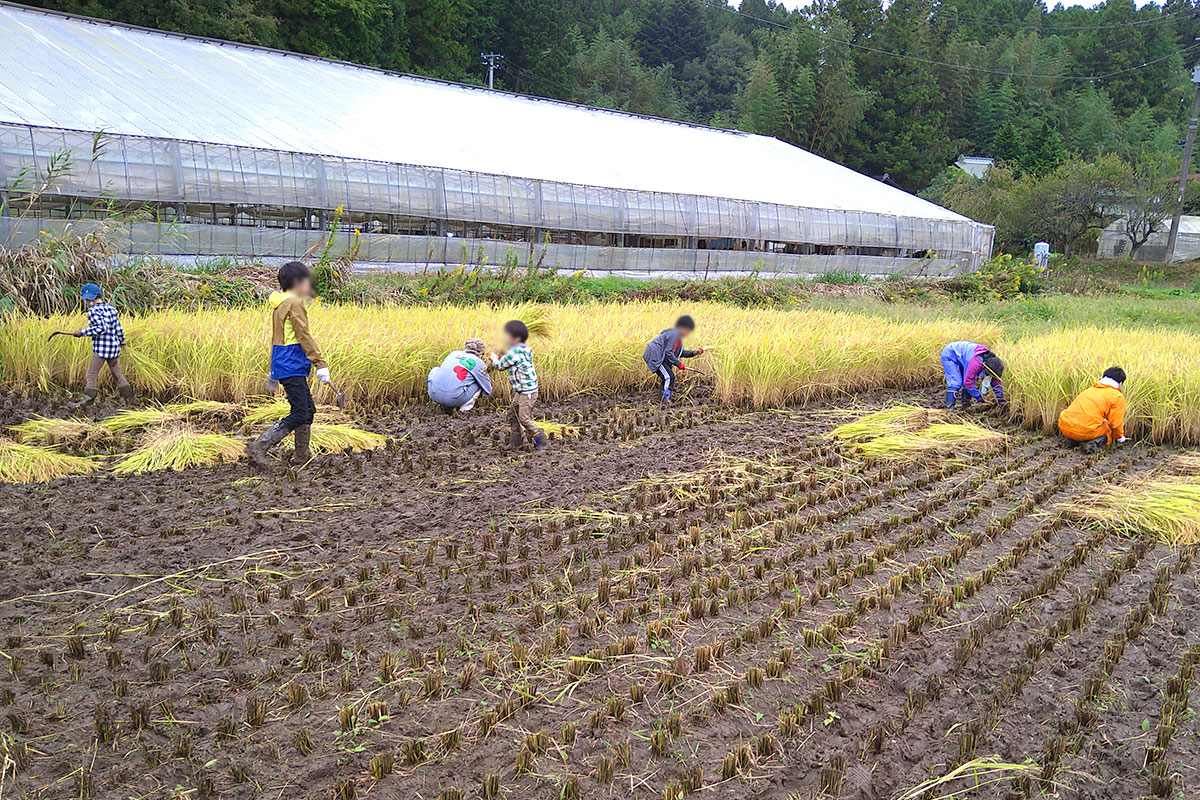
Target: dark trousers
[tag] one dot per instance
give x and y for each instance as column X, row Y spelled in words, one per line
column 666, row 378
column 301, row 401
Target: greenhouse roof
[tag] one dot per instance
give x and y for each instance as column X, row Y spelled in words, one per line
column 77, row 73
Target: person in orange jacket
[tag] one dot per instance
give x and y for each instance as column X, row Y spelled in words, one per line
column 1097, row 416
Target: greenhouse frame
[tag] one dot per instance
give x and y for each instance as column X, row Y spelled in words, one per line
column 234, row 150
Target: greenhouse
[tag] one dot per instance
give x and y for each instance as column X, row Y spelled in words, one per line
column 233, row 150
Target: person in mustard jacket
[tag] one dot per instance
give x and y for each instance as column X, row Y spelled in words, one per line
column 1097, row 416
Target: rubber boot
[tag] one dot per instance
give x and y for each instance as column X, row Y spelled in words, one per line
column 257, row 450
column 541, row 442
column 516, row 441
column 966, row 399
column 950, row 398
column 126, row 394
column 302, row 454
column 89, row 397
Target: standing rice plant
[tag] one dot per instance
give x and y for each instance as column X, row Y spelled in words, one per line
column 178, row 448
column 23, row 463
column 762, row 357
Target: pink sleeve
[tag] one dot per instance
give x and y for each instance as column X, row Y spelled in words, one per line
column 973, row 370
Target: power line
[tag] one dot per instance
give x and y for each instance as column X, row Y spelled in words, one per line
column 1040, row 26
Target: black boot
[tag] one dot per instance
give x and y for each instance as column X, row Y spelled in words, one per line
column 303, row 453
column 126, row 394
column 257, row 450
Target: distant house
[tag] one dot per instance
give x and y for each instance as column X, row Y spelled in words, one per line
column 975, row 166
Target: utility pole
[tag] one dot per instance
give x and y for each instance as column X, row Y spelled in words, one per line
column 1186, row 166
column 492, row 60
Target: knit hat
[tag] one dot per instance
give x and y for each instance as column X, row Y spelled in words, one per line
column 89, row 291
column 475, row 347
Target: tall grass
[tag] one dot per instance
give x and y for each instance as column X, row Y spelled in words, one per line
column 1163, row 390
column 763, row 357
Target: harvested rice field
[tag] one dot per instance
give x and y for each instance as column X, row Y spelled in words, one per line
column 703, row 601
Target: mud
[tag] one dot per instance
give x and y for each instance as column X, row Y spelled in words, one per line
column 686, row 599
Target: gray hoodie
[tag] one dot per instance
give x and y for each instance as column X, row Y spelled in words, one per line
column 666, row 348
column 457, row 379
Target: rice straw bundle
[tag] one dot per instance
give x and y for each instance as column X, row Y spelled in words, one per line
column 338, row 438
column 941, row 437
column 205, row 408
column 558, row 431
column 137, row 418
column 177, row 448
column 889, row 420
column 268, row 412
column 23, row 463
column 54, row 430
column 1167, row 508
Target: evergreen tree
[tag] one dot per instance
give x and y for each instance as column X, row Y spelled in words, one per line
column 1009, row 145
column 762, row 106
column 1043, row 149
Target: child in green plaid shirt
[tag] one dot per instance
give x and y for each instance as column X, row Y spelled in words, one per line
column 522, row 376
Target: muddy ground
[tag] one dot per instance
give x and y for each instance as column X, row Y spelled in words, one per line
column 699, row 599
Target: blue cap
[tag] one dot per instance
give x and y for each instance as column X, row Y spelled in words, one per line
column 90, row 291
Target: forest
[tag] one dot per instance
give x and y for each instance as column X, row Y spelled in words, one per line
column 897, row 91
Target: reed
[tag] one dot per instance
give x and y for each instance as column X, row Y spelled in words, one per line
column 177, row 448
column 763, row 357
column 1046, row 372
column 23, row 463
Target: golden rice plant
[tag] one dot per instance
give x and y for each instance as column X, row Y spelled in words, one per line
column 135, row 419
column 1165, row 507
column 179, row 447
column 23, row 463
column 938, row 438
column 270, row 410
column 1046, row 372
column 557, row 430
column 984, row 775
column 888, row 420
column 205, row 408
column 54, row 430
column 763, row 357
column 337, row 438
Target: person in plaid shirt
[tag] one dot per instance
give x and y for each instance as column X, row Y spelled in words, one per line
column 522, row 376
column 108, row 337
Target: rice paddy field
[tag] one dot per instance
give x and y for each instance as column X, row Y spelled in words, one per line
column 802, row 580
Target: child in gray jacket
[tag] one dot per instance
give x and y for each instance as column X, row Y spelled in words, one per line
column 664, row 352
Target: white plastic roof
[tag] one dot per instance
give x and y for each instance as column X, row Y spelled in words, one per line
column 80, row 74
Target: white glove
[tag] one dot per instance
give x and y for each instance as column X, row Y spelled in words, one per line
column 1122, row 440
column 495, row 359
column 323, row 374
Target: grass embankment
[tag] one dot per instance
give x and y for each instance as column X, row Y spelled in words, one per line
column 762, row 357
